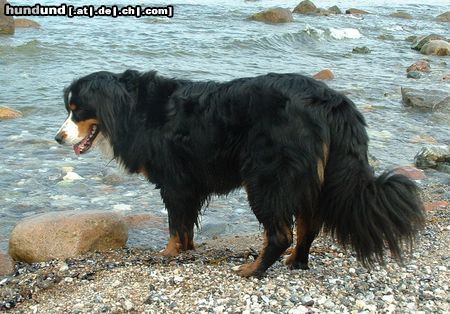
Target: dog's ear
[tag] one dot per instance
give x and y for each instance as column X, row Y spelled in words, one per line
column 115, row 107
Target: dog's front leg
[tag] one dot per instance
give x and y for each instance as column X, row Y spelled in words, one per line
column 183, row 209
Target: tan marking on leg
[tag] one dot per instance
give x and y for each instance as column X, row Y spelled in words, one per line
column 301, row 232
column 85, row 126
column 173, row 248
column 249, row 269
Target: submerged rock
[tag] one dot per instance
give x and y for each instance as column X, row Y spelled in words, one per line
column 436, row 47
column 411, row 172
column 444, row 17
column 429, row 100
column 274, row 15
column 6, row 22
column 324, row 75
column 414, row 75
column 66, row 234
column 8, row 113
column 436, row 157
column 26, row 23
column 361, row 50
column 402, row 15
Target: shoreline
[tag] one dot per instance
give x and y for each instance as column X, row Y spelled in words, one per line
column 203, row 281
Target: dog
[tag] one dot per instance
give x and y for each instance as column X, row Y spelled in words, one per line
column 296, row 146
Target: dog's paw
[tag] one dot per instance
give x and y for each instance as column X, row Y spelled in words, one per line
column 249, row 270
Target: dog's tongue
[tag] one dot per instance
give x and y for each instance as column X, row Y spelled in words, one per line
column 77, row 149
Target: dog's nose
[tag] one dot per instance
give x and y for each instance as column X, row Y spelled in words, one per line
column 59, row 138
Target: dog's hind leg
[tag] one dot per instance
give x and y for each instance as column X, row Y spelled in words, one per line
column 183, row 214
column 306, row 233
column 277, row 228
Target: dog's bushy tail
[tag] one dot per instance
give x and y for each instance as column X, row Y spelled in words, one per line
column 360, row 210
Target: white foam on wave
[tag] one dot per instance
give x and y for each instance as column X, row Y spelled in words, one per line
column 345, row 33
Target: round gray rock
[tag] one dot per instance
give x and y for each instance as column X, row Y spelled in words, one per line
column 60, row 235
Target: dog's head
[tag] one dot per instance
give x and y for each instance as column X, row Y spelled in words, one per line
column 99, row 106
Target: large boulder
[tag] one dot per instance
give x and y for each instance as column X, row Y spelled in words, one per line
column 436, row 47
column 335, row 9
column 6, row 22
column 444, row 17
column 419, row 42
column 60, row 235
column 273, row 15
column 428, row 100
column 26, row 23
column 305, row 7
column 8, row 113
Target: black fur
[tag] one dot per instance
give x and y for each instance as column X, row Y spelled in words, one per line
column 266, row 133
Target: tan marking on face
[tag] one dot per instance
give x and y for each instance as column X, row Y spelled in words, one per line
column 73, row 107
column 84, row 127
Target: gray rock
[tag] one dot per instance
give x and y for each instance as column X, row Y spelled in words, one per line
column 335, row 9
column 444, row 17
column 433, row 157
column 361, row 50
column 429, row 100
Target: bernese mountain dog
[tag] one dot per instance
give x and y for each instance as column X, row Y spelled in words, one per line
column 296, row 146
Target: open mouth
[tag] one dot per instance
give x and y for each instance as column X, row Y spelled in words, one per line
column 86, row 143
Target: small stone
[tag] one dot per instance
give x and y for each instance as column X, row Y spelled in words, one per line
column 127, row 305
column 351, row 270
column 324, row 75
column 361, row 50
column 63, row 267
column 388, row 298
column 360, row 304
column 307, row 300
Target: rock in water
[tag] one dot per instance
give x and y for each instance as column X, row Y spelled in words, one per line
column 356, row 11
column 335, row 9
column 429, row 100
column 432, row 156
column 419, row 65
column 8, row 113
column 436, row 47
column 324, row 75
column 274, row 15
column 361, row 50
column 26, row 23
column 305, row 7
column 6, row 22
column 402, row 15
column 419, row 42
column 444, row 17
column 66, row 234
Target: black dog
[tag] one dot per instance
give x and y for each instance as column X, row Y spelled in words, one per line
column 298, row 147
